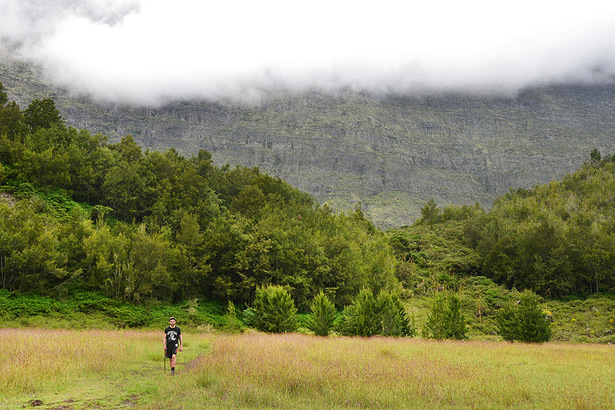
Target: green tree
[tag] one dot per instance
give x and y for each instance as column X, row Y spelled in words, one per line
column 29, row 257
column 524, row 320
column 430, row 213
column 445, row 320
column 3, row 97
column 361, row 318
column 42, row 114
column 12, row 123
column 322, row 315
column 393, row 316
column 107, row 258
column 231, row 323
column 274, row 310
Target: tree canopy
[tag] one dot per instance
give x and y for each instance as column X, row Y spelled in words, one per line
column 149, row 225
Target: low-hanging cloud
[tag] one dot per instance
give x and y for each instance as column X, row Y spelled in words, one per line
column 149, row 51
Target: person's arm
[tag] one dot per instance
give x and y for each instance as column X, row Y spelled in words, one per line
column 181, row 342
column 164, row 341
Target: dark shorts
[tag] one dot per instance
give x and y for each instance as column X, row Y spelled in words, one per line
column 171, row 350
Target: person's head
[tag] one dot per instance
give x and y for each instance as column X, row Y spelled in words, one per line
column 172, row 321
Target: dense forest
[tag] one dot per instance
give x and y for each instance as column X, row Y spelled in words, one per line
column 556, row 239
column 84, row 213
column 80, row 213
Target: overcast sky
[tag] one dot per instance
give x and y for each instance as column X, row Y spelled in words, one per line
column 147, row 51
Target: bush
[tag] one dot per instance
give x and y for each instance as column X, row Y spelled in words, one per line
column 445, row 320
column 231, row 323
column 393, row 317
column 274, row 310
column 360, row 318
column 524, row 320
column 368, row 316
column 322, row 315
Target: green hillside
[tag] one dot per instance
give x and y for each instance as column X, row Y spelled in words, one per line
column 90, row 227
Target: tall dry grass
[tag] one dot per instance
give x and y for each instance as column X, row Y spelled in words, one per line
column 33, row 359
column 293, row 371
column 106, row 369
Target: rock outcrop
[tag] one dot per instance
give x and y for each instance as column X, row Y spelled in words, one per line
column 390, row 153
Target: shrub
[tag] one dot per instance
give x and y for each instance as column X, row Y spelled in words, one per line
column 393, row 317
column 445, row 320
column 322, row 315
column 523, row 320
column 274, row 310
column 360, row 318
column 231, row 323
column 368, row 316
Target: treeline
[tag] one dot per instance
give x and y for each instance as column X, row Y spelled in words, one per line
column 84, row 213
column 555, row 239
column 87, row 214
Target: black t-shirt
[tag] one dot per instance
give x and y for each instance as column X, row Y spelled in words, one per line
column 172, row 334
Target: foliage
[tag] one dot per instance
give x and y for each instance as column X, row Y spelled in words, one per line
column 322, row 315
column 274, row 310
column 86, row 309
column 154, row 226
column 445, row 320
column 393, row 316
column 436, row 255
column 556, row 239
column 369, row 316
column 232, row 324
column 524, row 320
column 361, row 317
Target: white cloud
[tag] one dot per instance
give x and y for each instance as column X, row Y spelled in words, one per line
column 148, row 50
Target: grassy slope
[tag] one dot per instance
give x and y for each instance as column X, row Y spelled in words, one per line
column 579, row 320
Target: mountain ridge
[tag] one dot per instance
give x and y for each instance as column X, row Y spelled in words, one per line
column 390, row 153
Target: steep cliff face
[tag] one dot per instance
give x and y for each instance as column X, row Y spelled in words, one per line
column 390, row 153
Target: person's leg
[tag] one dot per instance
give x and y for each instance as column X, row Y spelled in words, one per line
column 173, row 361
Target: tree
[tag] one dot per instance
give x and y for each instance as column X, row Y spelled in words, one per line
column 322, row 315
column 430, row 213
column 42, row 114
column 12, row 122
column 3, row 97
column 393, row 316
column 274, row 310
column 29, row 258
column 445, row 320
column 524, row 320
column 361, row 318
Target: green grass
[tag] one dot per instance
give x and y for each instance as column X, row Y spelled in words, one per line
column 84, row 369
column 579, row 320
column 124, row 369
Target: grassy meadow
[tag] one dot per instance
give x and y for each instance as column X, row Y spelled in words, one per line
column 73, row 369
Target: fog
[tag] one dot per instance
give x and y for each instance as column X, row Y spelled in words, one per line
column 152, row 51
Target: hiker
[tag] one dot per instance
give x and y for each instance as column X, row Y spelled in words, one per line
column 172, row 341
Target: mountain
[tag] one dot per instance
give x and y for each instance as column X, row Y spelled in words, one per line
column 391, row 153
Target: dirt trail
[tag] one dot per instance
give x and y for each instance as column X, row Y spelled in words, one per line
column 94, row 394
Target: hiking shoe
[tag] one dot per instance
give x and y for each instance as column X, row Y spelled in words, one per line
column 172, row 372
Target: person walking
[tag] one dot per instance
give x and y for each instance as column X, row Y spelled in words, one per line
column 172, row 343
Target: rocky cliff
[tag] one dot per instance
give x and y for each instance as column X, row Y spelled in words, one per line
column 390, row 153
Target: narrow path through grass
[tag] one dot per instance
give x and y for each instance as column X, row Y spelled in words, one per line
column 63, row 369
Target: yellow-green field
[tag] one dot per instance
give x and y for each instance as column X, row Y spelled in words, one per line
column 64, row 369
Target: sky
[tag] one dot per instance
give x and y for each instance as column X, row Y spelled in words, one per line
column 153, row 51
